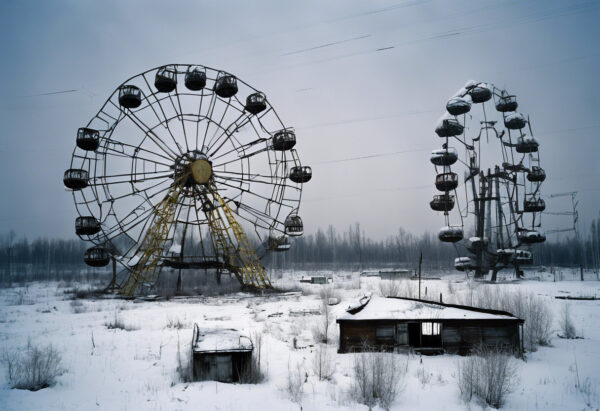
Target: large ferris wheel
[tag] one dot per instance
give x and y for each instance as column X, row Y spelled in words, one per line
column 498, row 199
column 186, row 167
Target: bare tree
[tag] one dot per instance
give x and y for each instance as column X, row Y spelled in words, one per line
column 295, row 382
column 323, row 365
column 566, row 323
column 490, row 374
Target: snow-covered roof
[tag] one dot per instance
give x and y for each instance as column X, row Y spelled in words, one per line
column 219, row 340
column 379, row 308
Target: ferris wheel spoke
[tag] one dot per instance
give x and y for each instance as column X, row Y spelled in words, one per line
column 164, row 120
column 227, row 133
column 199, row 118
column 245, row 190
column 116, row 153
column 117, row 178
column 241, row 157
column 209, row 112
column 219, row 123
column 245, row 180
column 137, row 192
column 231, row 137
column 139, row 148
column 180, row 115
column 267, row 218
column 264, row 223
column 155, row 139
column 123, row 225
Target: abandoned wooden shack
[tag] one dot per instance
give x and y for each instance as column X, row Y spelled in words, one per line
column 402, row 324
column 220, row 355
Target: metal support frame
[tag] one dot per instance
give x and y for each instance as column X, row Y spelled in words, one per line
column 241, row 260
column 154, row 241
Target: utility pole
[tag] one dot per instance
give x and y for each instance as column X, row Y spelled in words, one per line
column 420, row 261
column 480, row 221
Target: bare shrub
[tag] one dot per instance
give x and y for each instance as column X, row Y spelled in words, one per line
column 295, row 382
column 117, row 323
column 21, row 297
column 352, row 284
column 77, row 307
column 566, row 323
column 176, row 323
column 531, row 308
column 584, row 387
column 86, row 292
column 489, row 374
column 252, row 374
column 33, row 368
column 323, row 365
column 328, row 292
column 450, row 287
column 424, row 376
column 397, row 288
column 378, row 378
column 408, row 289
column 389, row 288
column 538, row 322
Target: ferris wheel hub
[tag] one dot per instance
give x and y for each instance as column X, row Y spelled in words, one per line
column 201, row 171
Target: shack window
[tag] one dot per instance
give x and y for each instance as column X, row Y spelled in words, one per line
column 384, row 333
column 430, row 328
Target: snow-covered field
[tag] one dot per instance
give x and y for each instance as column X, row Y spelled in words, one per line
column 136, row 368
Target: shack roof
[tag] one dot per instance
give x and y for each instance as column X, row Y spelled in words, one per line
column 219, row 340
column 397, row 308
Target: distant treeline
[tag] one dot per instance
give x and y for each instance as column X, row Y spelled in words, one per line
column 353, row 249
column 46, row 258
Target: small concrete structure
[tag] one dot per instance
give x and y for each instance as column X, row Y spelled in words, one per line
column 401, row 324
column 220, row 354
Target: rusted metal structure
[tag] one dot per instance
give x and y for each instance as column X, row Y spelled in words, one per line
column 501, row 184
column 186, row 167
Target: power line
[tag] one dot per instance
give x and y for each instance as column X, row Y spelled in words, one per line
column 363, row 119
column 333, row 43
column 47, row 94
column 369, row 156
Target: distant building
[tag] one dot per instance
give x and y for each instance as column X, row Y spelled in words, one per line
column 316, row 279
column 395, row 274
column 401, row 324
column 220, row 354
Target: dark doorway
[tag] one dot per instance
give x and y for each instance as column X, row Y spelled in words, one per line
column 414, row 334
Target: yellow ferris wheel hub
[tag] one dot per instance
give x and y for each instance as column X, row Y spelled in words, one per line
column 201, row 171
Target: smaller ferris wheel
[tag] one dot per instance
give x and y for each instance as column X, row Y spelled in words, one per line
column 498, row 197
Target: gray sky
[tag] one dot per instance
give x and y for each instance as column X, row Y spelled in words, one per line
column 319, row 64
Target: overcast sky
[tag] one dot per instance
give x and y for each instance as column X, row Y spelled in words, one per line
column 321, row 65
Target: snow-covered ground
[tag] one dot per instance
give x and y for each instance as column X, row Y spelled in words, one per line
column 134, row 369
